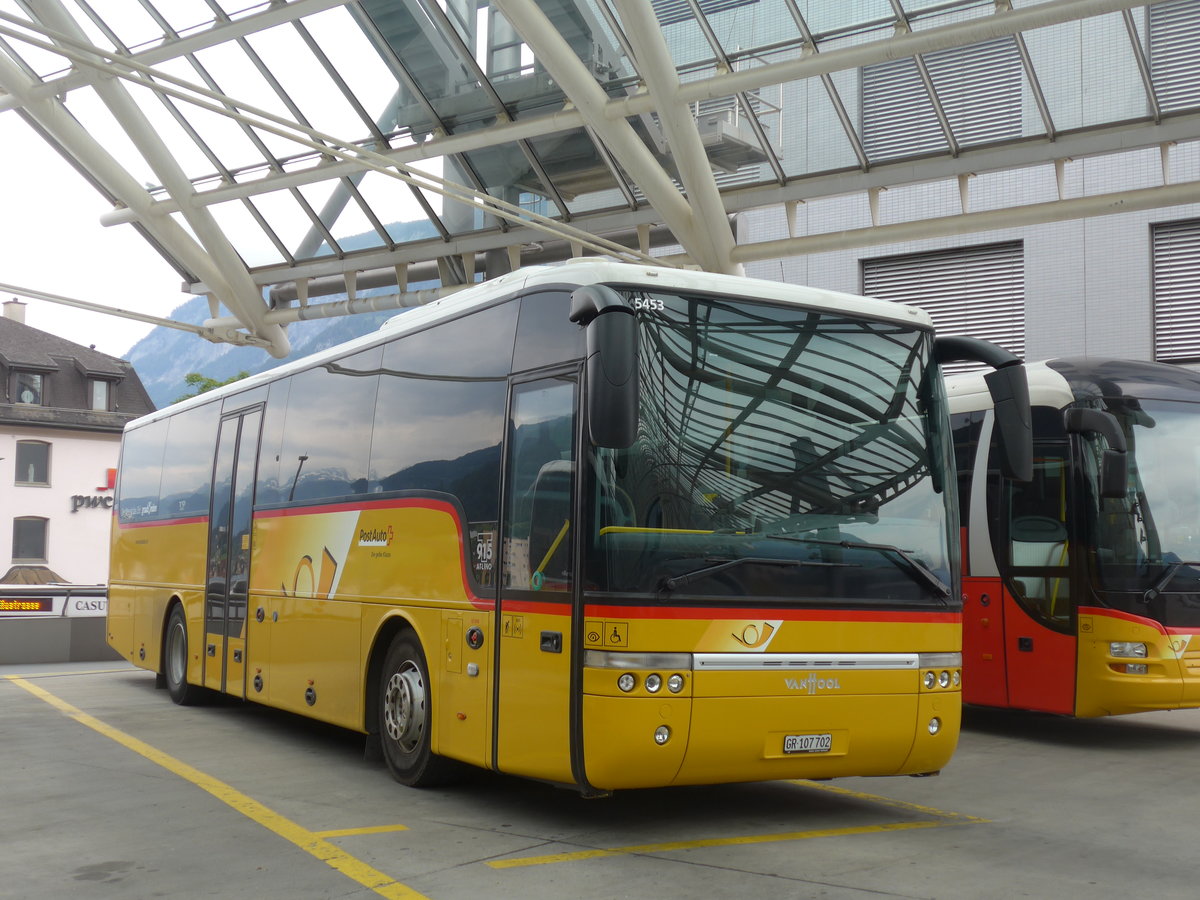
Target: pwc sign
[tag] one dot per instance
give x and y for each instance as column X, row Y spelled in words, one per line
column 101, row 499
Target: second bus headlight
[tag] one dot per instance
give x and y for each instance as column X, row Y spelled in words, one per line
column 1133, row 649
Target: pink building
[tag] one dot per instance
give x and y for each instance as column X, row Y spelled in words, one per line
column 62, row 409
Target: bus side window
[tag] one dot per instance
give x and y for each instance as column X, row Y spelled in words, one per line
column 1038, row 546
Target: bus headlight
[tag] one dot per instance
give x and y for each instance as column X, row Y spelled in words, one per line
column 944, row 678
column 627, row 682
column 1128, row 649
column 653, row 683
column 930, row 680
column 675, row 683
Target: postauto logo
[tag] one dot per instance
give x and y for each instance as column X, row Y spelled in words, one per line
column 375, row 537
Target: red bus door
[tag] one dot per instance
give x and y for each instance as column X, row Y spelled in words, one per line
column 1039, row 637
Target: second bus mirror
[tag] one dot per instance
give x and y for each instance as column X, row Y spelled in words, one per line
column 1010, row 398
column 612, row 365
column 1114, row 472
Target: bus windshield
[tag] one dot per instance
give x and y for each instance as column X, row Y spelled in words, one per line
column 783, row 455
column 1148, row 542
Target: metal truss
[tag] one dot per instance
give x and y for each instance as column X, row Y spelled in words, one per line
column 260, row 149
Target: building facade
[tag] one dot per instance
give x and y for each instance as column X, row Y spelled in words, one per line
column 1121, row 284
column 62, row 409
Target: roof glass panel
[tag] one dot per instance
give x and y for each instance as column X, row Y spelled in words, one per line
column 394, row 204
column 246, row 233
column 829, row 17
column 185, row 16
column 309, row 92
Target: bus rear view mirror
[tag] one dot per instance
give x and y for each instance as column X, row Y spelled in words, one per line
column 1009, row 390
column 1114, row 472
column 611, row 373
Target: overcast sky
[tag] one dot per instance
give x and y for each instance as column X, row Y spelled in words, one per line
column 51, row 240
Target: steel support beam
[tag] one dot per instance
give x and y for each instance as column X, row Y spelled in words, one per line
column 236, row 290
column 713, row 238
column 553, row 52
column 989, row 220
column 276, row 14
column 54, row 120
column 809, row 66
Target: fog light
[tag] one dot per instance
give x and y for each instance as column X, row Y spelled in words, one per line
column 675, row 684
column 944, row 679
column 627, row 682
column 653, row 683
column 930, row 679
column 662, row 734
column 1128, row 648
column 935, row 725
column 1136, row 668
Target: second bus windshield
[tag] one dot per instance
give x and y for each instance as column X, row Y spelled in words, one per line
column 783, row 454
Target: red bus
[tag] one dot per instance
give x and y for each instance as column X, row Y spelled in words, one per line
column 1082, row 585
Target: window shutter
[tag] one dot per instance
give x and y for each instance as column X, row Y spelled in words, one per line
column 1174, row 35
column 972, row 291
column 1176, row 251
column 979, row 88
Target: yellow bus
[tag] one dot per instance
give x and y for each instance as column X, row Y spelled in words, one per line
column 599, row 525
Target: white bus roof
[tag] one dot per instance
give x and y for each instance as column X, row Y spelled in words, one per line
column 574, row 273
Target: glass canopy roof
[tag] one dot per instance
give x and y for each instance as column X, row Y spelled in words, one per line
column 281, row 152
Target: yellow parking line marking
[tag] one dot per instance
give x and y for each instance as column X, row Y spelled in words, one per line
column 889, row 801
column 351, row 832
column 308, row 841
column 74, row 672
column 710, row 842
column 945, row 819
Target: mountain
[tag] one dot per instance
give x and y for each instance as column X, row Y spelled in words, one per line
column 165, row 356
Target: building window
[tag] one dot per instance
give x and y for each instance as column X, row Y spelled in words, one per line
column 979, row 88
column 29, row 539
column 1174, row 29
column 99, row 391
column 971, row 291
column 33, row 462
column 28, row 388
column 1175, row 247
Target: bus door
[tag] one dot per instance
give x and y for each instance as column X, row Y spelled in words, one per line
column 228, row 569
column 1040, row 643
column 537, row 586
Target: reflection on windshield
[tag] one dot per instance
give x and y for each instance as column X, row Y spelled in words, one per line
column 758, row 422
column 1147, row 541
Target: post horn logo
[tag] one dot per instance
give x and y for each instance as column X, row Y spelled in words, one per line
column 755, row 636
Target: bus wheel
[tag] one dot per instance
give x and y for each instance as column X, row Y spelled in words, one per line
column 175, row 660
column 405, row 716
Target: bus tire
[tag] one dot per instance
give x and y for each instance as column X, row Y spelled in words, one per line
column 175, row 660
column 405, row 716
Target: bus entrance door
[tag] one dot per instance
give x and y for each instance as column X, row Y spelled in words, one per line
column 537, row 589
column 1039, row 643
column 228, row 569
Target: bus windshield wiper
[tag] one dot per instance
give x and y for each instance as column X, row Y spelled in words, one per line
column 1166, row 578
column 716, row 565
column 904, row 560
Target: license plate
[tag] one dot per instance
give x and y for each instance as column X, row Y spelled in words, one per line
column 807, row 743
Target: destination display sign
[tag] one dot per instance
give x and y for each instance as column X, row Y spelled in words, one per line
column 26, row 604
